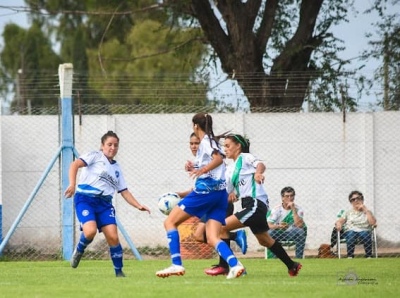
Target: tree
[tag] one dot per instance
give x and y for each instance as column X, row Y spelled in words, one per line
column 27, row 57
column 113, row 52
column 385, row 47
column 244, row 34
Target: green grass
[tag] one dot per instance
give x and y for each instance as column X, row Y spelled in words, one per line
column 265, row 278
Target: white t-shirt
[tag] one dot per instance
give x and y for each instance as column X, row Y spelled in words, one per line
column 240, row 178
column 100, row 177
column 215, row 179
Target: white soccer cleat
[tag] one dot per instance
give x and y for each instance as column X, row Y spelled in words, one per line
column 171, row 270
column 236, row 271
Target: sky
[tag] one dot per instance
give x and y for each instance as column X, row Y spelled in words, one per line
column 353, row 33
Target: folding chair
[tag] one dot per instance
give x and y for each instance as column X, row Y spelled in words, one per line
column 342, row 240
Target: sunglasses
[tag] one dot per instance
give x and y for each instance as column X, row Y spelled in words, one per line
column 356, row 199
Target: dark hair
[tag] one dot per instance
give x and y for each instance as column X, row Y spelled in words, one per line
column 356, row 192
column 287, row 189
column 205, row 122
column 242, row 141
column 109, row 133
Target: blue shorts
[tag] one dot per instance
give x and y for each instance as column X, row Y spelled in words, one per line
column 94, row 208
column 212, row 205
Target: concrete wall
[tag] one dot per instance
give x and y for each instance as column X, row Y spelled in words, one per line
column 319, row 155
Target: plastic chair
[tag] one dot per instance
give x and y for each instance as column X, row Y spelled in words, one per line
column 342, row 240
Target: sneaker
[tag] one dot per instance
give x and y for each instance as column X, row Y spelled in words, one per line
column 295, row 269
column 120, row 274
column 236, row 271
column 216, row 270
column 76, row 258
column 241, row 240
column 171, row 270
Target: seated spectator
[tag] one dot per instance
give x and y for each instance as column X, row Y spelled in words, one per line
column 359, row 223
column 286, row 222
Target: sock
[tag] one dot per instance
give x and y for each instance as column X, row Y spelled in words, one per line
column 278, row 250
column 226, row 253
column 232, row 236
column 174, row 248
column 116, row 254
column 222, row 262
column 83, row 243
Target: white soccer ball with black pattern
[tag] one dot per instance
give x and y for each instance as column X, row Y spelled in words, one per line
column 168, row 201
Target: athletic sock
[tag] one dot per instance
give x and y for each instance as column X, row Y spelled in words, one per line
column 174, row 248
column 116, row 254
column 83, row 243
column 280, row 252
column 226, row 253
column 222, row 262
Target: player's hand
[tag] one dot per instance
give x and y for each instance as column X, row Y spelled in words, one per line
column 144, row 208
column 283, row 225
column 69, row 192
column 232, row 197
column 189, row 166
column 259, row 178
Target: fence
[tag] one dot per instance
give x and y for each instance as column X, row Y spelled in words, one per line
column 318, row 154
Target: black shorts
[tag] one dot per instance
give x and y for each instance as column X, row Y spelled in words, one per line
column 253, row 215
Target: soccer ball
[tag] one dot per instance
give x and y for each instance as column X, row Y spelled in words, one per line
column 168, row 201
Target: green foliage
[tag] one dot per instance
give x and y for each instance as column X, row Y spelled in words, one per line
column 28, row 54
column 155, row 65
column 385, row 47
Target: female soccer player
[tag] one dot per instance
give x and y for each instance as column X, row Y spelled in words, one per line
column 222, row 268
column 101, row 176
column 244, row 178
column 208, row 199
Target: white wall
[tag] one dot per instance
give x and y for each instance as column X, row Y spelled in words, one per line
column 319, row 155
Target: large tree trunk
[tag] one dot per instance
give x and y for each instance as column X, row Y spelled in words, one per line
column 241, row 50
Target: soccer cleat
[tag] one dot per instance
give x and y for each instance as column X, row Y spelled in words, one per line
column 295, row 269
column 241, row 240
column 171, row 270
column 236, row 271
column 76, row 258
column 120, row 274
column 216, row 270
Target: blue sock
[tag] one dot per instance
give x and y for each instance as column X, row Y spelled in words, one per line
column 226, row 253
column 174, row 248
column 116, row 257
column 83, row 243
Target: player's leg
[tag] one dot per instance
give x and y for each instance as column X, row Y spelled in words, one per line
column 87, row 217
column 116, row 252
column 174, row 219
column 213, row 228
column 239, row 236
column 200, row 233
column 231, row 222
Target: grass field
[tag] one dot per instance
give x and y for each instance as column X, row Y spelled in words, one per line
column 265, row 278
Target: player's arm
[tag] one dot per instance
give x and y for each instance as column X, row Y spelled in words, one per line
column 130, row 199
column 73, row 171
